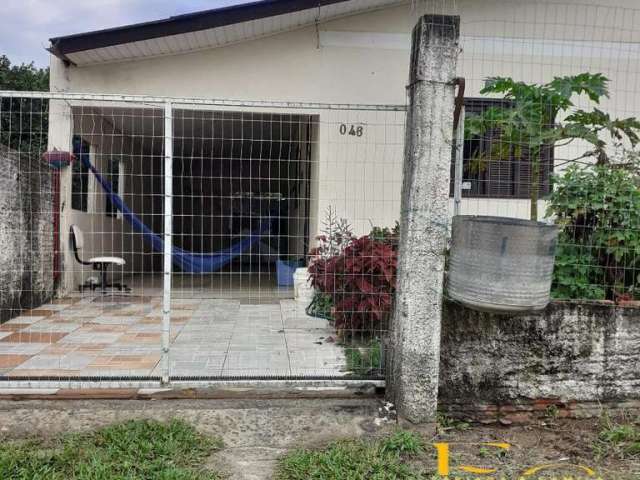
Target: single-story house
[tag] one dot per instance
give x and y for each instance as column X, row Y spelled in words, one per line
column 306, row 111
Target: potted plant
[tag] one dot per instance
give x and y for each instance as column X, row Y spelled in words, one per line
column 505, row 264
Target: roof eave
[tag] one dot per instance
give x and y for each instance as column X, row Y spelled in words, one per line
column 54, row 50
column 61, row 46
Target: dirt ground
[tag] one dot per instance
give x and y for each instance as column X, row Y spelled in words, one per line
column 256, row 433
column 566, row 443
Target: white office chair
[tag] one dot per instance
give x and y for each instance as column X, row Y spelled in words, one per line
column 100, row 264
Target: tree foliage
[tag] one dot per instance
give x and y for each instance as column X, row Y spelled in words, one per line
column 22, row 77
column 24, row 122
column 527, row 121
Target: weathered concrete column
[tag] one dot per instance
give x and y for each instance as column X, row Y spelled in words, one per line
column 60, row 131
column 60, row 135
column 415, row 357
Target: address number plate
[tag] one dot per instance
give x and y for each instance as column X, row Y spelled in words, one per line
column 351, row 129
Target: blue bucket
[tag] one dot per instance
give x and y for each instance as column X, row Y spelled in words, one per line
column 285, row 271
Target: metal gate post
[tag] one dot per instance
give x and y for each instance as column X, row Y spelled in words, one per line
column 168, row 231
column 424, row 228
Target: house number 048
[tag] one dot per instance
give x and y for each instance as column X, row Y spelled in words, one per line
column 353, row 130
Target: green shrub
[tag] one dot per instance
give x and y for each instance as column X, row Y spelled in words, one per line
column 321, row 306
column 597, row 209
column 355, row 278
column 365, row 359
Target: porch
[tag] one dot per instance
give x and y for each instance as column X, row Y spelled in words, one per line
column 221, row 173
column 254, row 335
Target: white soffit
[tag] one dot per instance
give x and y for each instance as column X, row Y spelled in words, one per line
column 226, row 35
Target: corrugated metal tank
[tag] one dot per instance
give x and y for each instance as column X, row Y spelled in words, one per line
column 500, row 264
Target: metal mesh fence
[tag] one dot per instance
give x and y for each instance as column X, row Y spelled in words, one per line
column 236, row 239
column 272, row 178
column 551, row 131
column 187, row 233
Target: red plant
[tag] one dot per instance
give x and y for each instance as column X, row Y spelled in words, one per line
column 361, row 281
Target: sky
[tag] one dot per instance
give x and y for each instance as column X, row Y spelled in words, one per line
column 27, row 25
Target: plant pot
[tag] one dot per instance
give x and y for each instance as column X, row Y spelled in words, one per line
column 302, row 289
column 500, row 264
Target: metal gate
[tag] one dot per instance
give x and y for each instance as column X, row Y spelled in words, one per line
column 153, row 240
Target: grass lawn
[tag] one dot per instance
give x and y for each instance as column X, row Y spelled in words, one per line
column 610, row 448
column 355, row 459
column 135, row 450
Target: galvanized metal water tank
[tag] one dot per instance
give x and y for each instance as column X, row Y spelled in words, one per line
column 500, row 264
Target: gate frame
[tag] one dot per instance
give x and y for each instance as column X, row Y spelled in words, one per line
column 59, row 137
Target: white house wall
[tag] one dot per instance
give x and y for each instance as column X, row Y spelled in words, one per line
column 109, row 235
column 363, row 59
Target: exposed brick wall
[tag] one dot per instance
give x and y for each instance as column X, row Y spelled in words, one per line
column 26, row 233
column 569, row 360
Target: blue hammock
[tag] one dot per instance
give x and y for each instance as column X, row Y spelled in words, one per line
column 187, row 261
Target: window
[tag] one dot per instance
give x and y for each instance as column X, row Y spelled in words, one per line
column 498, row 178
column 115, row 177
column 80, row 175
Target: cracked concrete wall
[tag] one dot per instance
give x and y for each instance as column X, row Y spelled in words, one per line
column 26, row 233
column 569, row 352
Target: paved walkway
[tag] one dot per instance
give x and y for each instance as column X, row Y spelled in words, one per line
column 121, row 336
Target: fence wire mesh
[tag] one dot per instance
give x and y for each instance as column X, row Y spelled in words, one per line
column 251, row 190
column 551, row 132
column 259, row 191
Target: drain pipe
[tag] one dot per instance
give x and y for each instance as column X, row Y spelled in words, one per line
column 458, row 126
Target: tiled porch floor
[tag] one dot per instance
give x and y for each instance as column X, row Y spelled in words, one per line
column 121, row 336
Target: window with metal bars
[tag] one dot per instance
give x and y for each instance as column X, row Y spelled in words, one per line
column 504, row 178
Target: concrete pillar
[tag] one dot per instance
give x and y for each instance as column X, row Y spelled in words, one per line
column 424, row 224
column 60, row 132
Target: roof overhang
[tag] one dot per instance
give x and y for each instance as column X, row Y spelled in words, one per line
column 205, row 29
